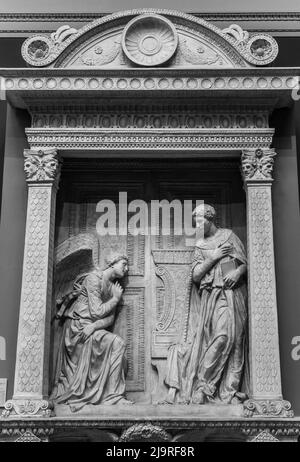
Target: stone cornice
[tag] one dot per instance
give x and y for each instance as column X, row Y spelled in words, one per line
column 278, row 425
column 25, row 24
column 26, row 85
column 86, row 17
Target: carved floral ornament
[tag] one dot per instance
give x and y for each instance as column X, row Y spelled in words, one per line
column 150, row 37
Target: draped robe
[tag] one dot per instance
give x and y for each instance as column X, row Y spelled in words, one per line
column 90, row 371
column 211, row 360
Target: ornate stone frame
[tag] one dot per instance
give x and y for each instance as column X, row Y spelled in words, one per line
column 41, row 90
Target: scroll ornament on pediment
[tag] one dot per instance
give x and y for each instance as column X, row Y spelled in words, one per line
column 258, row 164
column 150, row 38
column 41, row 166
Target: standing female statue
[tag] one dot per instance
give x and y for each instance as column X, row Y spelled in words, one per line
column 91, row 363
column 210, row 366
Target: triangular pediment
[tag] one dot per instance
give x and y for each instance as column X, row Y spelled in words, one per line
column 149, row 38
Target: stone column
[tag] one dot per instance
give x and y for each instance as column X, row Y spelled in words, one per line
column 265, row 377
column 42, row 169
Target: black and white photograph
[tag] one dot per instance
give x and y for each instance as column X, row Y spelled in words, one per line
column 149, row 224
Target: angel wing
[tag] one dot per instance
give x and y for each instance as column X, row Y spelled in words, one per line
column 73, row 257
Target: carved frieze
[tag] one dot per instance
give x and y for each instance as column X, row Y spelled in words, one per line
column 148, row 140
column 147, row 117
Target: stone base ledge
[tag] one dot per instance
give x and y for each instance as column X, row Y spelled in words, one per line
column 138, row 428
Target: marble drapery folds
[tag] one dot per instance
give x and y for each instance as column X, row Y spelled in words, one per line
column 90, row 370
column 211, row 361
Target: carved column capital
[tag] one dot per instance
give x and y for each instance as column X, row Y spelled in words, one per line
column 42, row 166
column 257, row 164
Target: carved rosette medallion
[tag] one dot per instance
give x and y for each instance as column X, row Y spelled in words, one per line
column 41, row 50
column 261, row 49
column 149, row 40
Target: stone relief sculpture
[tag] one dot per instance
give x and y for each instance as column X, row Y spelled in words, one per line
column 150, row 38
column 209, row 365
column 90, row 366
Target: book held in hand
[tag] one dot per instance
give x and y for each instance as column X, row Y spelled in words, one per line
column 228, row 265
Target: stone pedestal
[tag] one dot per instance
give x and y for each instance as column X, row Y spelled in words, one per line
column 31, row 374
column 265, row 377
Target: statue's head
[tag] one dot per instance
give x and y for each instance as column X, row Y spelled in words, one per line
column 204, row 216
column 119, row 263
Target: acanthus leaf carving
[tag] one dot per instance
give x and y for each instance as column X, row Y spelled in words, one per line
column 62, row 33
column 267, row 408
column 27, row 408
column 236, row 32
